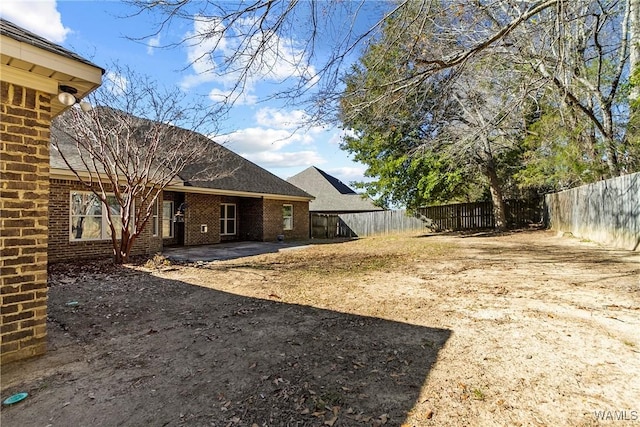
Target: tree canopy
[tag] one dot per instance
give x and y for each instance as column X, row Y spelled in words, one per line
column 450, row 99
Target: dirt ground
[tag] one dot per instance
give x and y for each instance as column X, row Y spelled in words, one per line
column 518, row 329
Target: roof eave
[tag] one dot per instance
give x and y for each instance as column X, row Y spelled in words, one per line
column 220, row 192
column 33, row 67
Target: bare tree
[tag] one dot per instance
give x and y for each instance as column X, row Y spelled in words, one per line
column 634, row 54
column 315, row 38
column 132, row 144
column 579, row 49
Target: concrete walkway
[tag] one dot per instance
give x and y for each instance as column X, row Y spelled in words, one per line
column 225, row 251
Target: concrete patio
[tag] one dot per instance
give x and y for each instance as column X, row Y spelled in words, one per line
column 226, row 251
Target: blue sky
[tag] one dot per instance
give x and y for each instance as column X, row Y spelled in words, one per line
column 265, row 132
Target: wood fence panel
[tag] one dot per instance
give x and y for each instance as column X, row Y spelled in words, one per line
column 380, row 222
column 479, row 215
column 459, row 216
column 606, row 211
column 327, row 226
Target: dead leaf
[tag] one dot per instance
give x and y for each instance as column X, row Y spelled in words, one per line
column 384, row 418
column 275, row 296
column 319, row 413
column 331, row 422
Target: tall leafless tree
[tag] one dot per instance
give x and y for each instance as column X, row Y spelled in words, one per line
column 580, row 49
column 131, row 145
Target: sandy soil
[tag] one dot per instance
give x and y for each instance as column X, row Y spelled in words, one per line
column 524, row 329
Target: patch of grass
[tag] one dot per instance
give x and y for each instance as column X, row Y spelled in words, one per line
column 478, row 394
column 329, row 398
column 371, row 254
column 157, row 262
column 629, row 343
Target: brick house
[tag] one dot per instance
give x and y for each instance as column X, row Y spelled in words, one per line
column 33, row 72
column 240, row 202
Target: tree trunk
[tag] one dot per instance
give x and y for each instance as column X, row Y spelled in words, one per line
column 610, row 144
column 499, row 211
column 634, row 47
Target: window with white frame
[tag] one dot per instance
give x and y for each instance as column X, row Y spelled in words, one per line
column 154, row 218
column 167, row 219
column 88, row 216
column 227, row 219
column 287, row 217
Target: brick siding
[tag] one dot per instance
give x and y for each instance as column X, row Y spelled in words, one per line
column 202, row 209
column 61, row 248
column 24, row 172
column 256, row 219
column 273, row 221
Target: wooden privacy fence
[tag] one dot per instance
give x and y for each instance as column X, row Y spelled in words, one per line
column 606, row 211
column 479, row 215
column 328, row 226
column 456, row 217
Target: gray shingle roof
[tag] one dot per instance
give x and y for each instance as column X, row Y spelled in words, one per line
column 217, row 168
column 235, row 173
column 331, row 194
column 9, row 29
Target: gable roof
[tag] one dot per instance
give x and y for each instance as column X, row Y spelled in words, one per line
column 331, row 194
column 218, row 170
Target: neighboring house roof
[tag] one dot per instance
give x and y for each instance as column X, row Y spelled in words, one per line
column 331, row 194
column 218, row 168
column 34, row 62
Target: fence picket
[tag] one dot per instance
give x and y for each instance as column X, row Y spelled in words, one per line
column 606, row 211
column 459, row 216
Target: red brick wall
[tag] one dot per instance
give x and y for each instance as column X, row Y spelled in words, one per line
column 202, row 209
column 61, row 249
column 273, row 226
column 257, row 219
column 24, row 173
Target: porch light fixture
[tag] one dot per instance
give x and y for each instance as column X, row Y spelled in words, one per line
column 67, row 96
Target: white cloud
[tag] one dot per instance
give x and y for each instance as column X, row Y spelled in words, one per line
column 281, row 119
column 115, row 83
column 224, row 96
column 285, row 160
column 152, row 44
column 348, row 174
column 277, row 129
column 273, row 143
column 336, row 138
column 223, row 55
column 200, row 51
column 255, row 140
column 40, row 17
